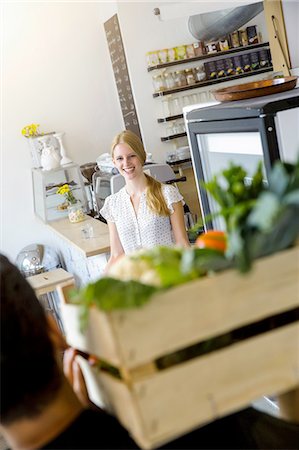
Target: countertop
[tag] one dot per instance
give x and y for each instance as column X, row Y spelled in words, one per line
column 71, row 232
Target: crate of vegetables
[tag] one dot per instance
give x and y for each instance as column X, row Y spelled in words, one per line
column 173, row 330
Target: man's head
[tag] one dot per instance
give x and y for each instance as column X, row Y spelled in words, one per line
column 30, row 376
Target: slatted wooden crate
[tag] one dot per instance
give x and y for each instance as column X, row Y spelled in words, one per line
column 157, row 406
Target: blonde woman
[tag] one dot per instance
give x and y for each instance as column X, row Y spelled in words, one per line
column 145, row 212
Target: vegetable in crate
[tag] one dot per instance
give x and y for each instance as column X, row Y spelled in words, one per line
column 212, row 239
column 134, row 278
column 260, row 219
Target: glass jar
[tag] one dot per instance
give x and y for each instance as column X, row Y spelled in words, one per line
column 158, row 83
column 189, row 76
column 180, row 78
column 199, row 73
column 75, row 213
column 169, row 80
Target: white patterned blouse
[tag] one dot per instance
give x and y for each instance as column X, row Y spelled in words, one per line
column 144, row 229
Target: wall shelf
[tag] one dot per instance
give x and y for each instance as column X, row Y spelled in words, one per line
column 208, row 56
column 211, row 82
column 170, row 118
column 173, row 136
column 179, row 162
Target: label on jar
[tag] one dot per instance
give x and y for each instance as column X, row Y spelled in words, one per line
column 234, row 38
column 171, row 55
column 220, row 68
column 199, row 48
column 223, row 45
column 254, row 60
column 238, row 66
column 212, row 47
column 229, row 67
column 252, row 35
column 263, row 58
column 152, row 59
column 210, row 69
column 246, row 63
column 181, row 52
column 162, row 56
column 189, row 76
column 243, row 37
column 190, row 51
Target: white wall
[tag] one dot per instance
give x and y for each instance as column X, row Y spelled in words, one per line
column 56, row 72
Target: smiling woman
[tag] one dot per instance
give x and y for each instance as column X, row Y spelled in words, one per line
column 145, row 212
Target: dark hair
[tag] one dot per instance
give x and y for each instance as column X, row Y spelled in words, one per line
column 30, row 376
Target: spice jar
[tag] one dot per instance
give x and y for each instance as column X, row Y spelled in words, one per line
column 189, row 76
column 199, row 73
column 159, row 83
column 169, row 80
column 180, row 78
column 162, row 54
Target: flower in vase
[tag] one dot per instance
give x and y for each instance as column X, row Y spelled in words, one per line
column 31, row 130
column 68, row 194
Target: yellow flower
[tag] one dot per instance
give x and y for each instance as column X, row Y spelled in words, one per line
column 31, row 130
column 68, row 194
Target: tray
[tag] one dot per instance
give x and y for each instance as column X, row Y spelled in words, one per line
column 255, row 89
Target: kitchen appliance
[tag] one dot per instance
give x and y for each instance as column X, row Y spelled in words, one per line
column 244, row 132
column 87, row 170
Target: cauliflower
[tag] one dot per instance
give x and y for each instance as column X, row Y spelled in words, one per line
column 132, row 268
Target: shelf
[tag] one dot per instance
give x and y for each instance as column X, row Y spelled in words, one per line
column 170, row 118
column 211, row 82
column 173, row 136
column 208, row 56
column 178, row 162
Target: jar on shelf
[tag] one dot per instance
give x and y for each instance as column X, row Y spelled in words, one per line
column 243, row 38
column 177, row 106
column 169, row 80
column 152, row 59
column 199, row 73
column 171, row 54
column 180, row 78
column 162, row 55
column 159, row 83
column 166, row 106
column 189, row 76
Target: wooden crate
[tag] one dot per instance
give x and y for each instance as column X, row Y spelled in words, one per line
column 157, row 406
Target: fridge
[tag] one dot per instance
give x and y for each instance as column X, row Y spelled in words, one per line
column 243, row 132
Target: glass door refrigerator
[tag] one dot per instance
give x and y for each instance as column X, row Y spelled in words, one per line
column 243, row 132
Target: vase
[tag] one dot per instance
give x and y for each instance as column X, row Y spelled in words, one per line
column 75, row 213
column 49, row 157
column 64, row 159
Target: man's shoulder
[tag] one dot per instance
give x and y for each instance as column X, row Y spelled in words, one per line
column 93, row 429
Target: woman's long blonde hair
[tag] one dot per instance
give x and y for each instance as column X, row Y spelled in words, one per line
column 154, row 196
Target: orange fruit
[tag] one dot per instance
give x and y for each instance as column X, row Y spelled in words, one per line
column 212, row 239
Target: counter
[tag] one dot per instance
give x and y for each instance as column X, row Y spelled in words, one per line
column 71, row 232
column 85, row 259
